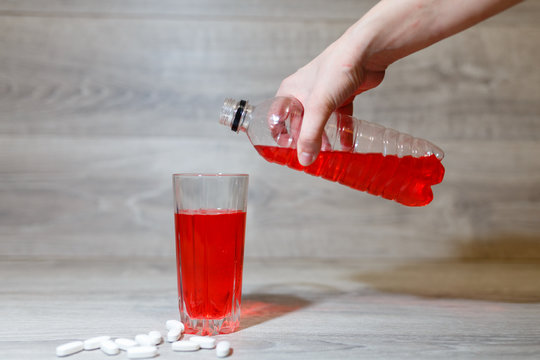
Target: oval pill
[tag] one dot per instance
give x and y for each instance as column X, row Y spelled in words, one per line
column 205, row 342
column 185, row 345
column 155, row 337
column 143, row 340
column 223, row 349
column 95, row 342
column 69, row 348
column 109, row 347
column 172, row 324
column 141, row 352
column 174, row 334
column 125, row 344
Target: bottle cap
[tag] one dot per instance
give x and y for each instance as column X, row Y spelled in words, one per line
column 232, row 113
column 228, row 111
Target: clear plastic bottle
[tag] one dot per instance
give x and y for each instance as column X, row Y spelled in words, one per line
column 356, row 153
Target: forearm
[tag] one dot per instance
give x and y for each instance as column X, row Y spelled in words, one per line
column 394, row 29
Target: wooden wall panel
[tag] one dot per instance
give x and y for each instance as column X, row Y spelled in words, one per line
column 227, row 10
column 100, row 103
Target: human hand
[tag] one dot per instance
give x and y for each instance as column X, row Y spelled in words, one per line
column 328, row 83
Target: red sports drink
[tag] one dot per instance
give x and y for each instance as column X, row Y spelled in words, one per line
column 405, row 179
column 210, row 252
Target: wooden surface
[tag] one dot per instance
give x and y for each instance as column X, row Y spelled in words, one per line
column 292, row 309
column 101, row 101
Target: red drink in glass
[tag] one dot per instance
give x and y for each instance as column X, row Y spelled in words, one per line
column 209, row 253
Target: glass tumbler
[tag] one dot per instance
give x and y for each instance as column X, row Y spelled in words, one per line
column 210, row 222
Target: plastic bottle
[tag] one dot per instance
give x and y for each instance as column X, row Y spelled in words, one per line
column 356, row 153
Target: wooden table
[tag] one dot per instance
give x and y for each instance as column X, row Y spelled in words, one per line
column 292, row 309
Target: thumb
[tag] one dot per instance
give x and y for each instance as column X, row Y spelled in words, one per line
column 316, row 113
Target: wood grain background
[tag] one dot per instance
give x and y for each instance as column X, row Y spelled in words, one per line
column 101, row 101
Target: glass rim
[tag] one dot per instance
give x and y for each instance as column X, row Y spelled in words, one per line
column 206, row 175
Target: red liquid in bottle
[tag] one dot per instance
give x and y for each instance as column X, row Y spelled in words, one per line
column 210, row 253
column 406, row 180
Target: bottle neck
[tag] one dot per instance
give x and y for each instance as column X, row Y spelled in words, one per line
column 236, row 114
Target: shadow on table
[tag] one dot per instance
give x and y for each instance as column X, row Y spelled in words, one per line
column 258, row 308
column 503, row 269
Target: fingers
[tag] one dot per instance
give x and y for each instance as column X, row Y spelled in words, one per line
column 284, row 120
column 316, row 113
column 371, row 80
column 345, row 132
column 277, row 114
column 347, row 107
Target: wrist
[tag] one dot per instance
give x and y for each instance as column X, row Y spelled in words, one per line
column 380, row 35
column 359, row 43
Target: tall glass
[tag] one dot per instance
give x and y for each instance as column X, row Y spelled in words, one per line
column 210, row 221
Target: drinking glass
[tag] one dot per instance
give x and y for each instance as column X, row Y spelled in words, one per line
column 210, row 222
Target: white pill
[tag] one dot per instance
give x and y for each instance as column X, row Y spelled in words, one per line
column 205, row 342
column 174, row 334
column 173, row 324
column 109, row 347
column 95, row 342
column 223, row 349
column 69, row 348
column 155, row 337
column 125, row 344
column 185, row 345
column 141, row 352
column 143, row 340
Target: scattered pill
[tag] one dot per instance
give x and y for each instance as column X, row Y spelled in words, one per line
column 69, row 348
column 155, row 337
column 205, row 342
column 223, row 349
column 109, row 347
column 125, row 344
column 95, row 342
column 144, row 345
column 143, row 340
column 142, row 352
column 174, row 334
column 173, row 324
column 185, row 345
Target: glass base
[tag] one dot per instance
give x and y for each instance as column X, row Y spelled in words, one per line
column 205, row 327
column 209, row 326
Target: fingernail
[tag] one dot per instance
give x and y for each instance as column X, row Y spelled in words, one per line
column 306, row 159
